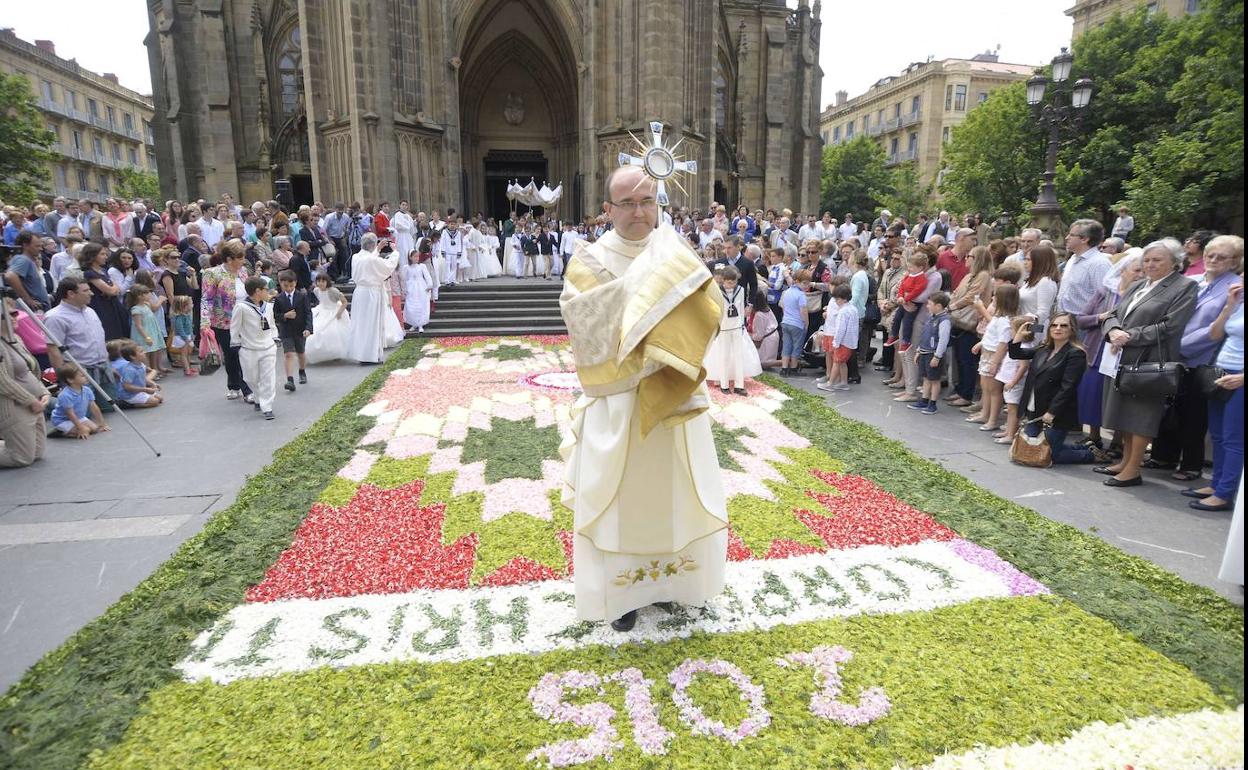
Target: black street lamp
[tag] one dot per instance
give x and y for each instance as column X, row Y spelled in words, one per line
column 1055, row 116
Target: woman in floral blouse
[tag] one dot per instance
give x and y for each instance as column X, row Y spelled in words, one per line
column 220, row 287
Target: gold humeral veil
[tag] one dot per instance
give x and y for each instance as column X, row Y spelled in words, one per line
column 642, row 476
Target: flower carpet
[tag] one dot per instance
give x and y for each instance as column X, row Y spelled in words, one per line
column 418, row 611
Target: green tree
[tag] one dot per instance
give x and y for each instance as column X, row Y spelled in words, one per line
column 854, row 178
column 993, row 161
column 25, row 142
column 910, row 196
column 133, row 183
column 1133, row 59
column 1193, row 174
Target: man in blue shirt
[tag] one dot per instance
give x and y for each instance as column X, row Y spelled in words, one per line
column 24, row 274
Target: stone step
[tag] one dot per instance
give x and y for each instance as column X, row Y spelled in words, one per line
column 541, row 311
column 498, row 321
column 502, row 331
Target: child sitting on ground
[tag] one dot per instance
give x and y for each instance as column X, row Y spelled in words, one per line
column 912, row 287
column 933, row 342
column 184, row 332
column 76, row 414
column 134, row 388
column 732, row 356
column 843, row 339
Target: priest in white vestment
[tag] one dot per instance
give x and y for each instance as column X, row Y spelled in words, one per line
column 404, row 232
column 643, row 480
column 373, row 322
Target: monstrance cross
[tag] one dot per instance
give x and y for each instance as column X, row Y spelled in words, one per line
column 660, row 163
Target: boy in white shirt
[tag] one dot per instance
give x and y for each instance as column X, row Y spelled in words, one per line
column 254, row 333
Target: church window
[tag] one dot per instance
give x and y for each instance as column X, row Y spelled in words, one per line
column 288, row 71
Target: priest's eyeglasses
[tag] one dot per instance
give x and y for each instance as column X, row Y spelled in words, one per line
column 644, row 203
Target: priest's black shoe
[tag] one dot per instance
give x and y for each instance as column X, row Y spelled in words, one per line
column 625, row 622
column 1113, row 482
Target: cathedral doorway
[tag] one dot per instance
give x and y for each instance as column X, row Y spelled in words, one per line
column 518, row 102
column 503, row 167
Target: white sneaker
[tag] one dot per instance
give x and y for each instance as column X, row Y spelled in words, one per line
column 250, row 398
column 819, row 380
column 840, row 387
column 825, row 386
column 233, row 394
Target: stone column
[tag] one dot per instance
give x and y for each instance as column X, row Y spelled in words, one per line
column 217, row 136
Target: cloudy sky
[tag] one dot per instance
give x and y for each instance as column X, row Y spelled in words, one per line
column 862, row 41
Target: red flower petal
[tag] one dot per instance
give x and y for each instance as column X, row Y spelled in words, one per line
column 519, row 570
column 737, row 550
column 782, row 548
column 383, row 541
column 565, row 537
column 864, row 514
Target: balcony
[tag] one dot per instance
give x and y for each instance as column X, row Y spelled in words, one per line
column 901, row 157
column 150, row 138
column 78, row 115
column 70, row 151
column 893, row 124
column 48, row 105
column 101, row 122
column 133, row 133
column 911, row 118
column 875, row 130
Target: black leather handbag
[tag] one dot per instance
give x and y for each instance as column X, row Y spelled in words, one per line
column 1151, row 379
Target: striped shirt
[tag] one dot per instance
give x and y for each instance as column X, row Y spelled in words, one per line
column 1081, row 278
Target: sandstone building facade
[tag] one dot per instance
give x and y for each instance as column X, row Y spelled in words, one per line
column 102, row 128
column 912, row 114
column 1090, row 14
column 441, row 102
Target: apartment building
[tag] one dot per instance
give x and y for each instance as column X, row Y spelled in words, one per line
column 1090, row 14
column 912, row 114
column 101, row 127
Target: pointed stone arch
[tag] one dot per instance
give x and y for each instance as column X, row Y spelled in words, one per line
column 518, row 94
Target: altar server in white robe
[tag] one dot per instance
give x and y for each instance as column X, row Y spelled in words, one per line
column 404, row 227
column 373, row 323
column 650, row 520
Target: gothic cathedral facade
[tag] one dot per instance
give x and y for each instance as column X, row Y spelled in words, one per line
column 443, row 102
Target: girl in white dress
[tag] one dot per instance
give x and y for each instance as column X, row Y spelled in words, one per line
column 417, row 290
column 489, row 264
column 491, row 236
column 732, row 356
column 515, row 255
column 331, row 323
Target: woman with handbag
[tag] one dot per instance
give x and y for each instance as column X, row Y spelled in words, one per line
column 1180, row 447
column 1125, row 272
column 975, row 285
column 1223, row 382
column 1145, row 330
column 1051, row 390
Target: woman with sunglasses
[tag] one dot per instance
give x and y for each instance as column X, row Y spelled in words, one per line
column 1050, row 397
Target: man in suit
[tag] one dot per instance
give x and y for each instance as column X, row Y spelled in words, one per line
column 302, row 264
column 292, row 311
column 91, row 222
column 749, row 274
column 143, row 221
